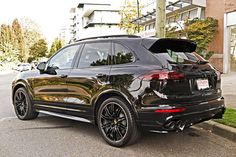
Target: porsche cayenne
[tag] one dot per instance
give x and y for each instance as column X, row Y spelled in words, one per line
column 123, row 84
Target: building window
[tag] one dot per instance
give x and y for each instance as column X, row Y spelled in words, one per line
column 83, row 21
column 172, row 19
column 178, row 18
column 193, row 14
column 185, row 16
column 202, row 13
column 153, row 26
column 149, row 26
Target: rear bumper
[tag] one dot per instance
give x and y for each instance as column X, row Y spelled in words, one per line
column 194, row 113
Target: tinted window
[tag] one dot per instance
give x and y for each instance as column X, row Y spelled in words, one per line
column 64, row 58
column 95, row 54
column 177, row 57
column 122, row 55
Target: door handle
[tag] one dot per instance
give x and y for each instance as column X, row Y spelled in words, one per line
column 101, row 75
column 63, row 76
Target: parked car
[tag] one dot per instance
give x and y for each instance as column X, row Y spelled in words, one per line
column 34, row 65
column 123, row 84
column 23, row 67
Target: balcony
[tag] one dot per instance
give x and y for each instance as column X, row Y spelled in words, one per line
column 149, row 10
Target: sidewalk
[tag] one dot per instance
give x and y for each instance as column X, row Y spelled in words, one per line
column 228, row 85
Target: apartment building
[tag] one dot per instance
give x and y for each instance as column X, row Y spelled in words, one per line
column 176, row 12
column 73, row 24
column 229, row 36
column 64, row 34
column 224, row 44
column 95, row 18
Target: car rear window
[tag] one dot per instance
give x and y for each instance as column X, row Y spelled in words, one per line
column 177, row 57
column 173, row 51
column 162, row 45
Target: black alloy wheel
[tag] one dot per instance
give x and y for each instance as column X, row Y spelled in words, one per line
column 116, row 122
column 23, row 105
column 20, row 103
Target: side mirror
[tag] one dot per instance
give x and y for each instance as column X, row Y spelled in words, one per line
column 41, row 67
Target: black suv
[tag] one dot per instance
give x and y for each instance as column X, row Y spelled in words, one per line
column 123, row 84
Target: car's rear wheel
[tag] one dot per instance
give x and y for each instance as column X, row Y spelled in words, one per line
column 116, row 122
column 23, row 105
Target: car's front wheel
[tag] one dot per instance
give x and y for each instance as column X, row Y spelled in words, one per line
column 116, row 122
column 23, row 105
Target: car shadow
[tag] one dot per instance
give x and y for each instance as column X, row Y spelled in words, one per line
column 148, row 139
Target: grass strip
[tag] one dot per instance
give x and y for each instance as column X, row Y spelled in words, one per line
column 229, row 118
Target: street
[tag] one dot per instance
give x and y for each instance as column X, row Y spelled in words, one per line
column 6, row 109
column 51, row 136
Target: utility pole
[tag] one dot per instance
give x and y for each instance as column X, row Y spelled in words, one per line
column 160, row 18
column 138, row 16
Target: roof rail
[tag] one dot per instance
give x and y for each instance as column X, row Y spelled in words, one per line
column 109, row 36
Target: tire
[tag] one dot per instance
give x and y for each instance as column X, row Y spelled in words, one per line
column 23, row 105
column 116, row 122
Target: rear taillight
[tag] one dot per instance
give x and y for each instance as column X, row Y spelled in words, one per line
column 162, row 75
column 173, row 110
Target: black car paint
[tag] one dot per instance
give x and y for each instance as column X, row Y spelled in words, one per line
column 81, row 91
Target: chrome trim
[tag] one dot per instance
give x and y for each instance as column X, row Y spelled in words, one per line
column 65, row 116
column 203, row 103
column 168, row 118
column 158, row 107
column 150, row 108
column 156, row 131
column 61, row 108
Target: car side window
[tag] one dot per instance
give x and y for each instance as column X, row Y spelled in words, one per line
column 64, row 58
column 95, row 54
column 122, row 55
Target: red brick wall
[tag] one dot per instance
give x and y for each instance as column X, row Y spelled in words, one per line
column 216, row 9
column 230, row 5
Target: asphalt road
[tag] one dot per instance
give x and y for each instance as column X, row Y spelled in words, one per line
column 6, row 109
column 49, row 136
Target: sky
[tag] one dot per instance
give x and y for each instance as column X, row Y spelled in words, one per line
column 50, row 15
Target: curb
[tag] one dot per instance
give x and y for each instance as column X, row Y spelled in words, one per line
column 219, row 129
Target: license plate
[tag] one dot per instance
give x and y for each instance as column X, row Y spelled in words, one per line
column 202, row 84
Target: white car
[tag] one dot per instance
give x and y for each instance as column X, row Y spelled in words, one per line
column 23, row 67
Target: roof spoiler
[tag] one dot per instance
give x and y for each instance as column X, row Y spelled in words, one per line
column 161, row 45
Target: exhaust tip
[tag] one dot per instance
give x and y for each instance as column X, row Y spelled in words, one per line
column 175, row 125
column 180, row 125
column 171, row 125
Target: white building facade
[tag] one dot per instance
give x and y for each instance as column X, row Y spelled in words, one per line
column 177, row 11
column 230, row 42
column 95, row 18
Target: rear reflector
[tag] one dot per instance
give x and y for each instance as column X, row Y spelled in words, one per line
column 162, row 75
column 174, row 110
